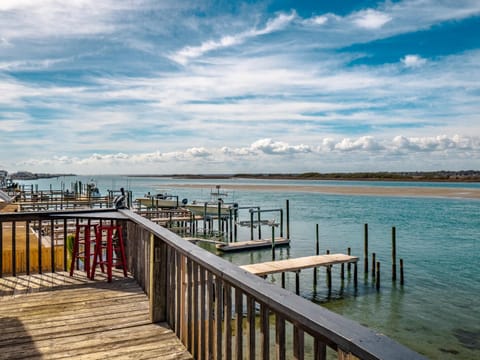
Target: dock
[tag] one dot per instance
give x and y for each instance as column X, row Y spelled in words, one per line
column 252, row 244
column 80, row 319
column 272, row 267
column 298, row 264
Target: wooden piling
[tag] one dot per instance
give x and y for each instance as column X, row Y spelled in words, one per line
column 401, row 272
column 355, row 275
column 329, row 275
column 394, row 254
column 365, row 249
column 297, row 282
column 273, row 241
column 317, row 252
column 251, row 225
column 287, row 205
column 373, row 264
column 377, row 279
column 349, row 252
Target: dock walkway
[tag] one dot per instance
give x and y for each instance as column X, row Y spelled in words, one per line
column 272, row 267
column 252, row 244
column 56, row 316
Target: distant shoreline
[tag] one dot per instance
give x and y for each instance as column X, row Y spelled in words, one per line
column 406, row 191
column 435, row 176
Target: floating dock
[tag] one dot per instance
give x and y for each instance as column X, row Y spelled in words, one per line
column 298, row 264
column 272, row 267
column 253, row 244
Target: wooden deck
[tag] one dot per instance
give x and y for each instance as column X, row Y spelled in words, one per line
column 272, row 267
column 54, row 316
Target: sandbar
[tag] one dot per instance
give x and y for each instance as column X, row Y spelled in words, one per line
column 398, row 191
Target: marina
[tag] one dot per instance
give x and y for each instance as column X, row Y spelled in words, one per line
column 341, row 226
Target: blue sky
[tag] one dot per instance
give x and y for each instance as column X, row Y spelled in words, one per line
column 141, row 86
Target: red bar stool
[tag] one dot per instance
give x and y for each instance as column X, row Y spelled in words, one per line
column 82, row 246
column 112, row 248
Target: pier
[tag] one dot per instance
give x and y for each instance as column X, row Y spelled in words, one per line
column 298, row 264
column 272, row 267
column 253, row 244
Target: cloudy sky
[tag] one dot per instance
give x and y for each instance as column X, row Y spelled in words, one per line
column 152, row 86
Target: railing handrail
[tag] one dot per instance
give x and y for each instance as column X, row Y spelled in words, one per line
column 347, row 334
column 47, row 214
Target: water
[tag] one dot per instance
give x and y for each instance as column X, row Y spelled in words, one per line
column 436, row 312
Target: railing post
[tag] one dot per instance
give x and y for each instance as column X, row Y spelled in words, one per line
column 158, row 280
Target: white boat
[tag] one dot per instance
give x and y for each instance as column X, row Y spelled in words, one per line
column 209, row 208
column 212, row 207
column 159, row 201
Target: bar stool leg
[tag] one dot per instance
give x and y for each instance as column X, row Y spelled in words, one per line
column 109, row 253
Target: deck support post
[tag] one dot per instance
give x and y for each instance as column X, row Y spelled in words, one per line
column 158, row 280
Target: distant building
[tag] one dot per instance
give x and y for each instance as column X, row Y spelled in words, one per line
column 3, row 177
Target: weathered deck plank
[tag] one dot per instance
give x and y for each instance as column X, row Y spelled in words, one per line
column 72, row 317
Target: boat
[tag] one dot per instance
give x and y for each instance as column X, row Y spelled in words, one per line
column 159, row 201
column 214, row 207
column 209, row 208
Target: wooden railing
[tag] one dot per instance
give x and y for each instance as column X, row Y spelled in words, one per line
column 34, row 242
column 220, row 311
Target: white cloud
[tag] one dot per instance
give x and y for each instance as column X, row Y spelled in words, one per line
column 187, row 53
column 413, row 61
column 199, row 152
column 371, row 19
column 272, row 155
column 36, row 19
column 367, row 143
column 268, row 146
column 318, row 20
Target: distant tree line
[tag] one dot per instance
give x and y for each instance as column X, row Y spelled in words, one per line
column 463, row 175
column 26, row 175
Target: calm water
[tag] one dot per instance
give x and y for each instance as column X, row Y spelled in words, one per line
column 436, row 312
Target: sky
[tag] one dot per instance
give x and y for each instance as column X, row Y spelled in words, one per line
column 176, row 87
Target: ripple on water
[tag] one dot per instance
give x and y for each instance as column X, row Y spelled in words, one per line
column 468, row 339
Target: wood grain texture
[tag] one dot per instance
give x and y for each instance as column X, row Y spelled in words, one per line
column 78, row 318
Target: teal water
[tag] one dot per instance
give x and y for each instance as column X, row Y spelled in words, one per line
column 436, row 312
